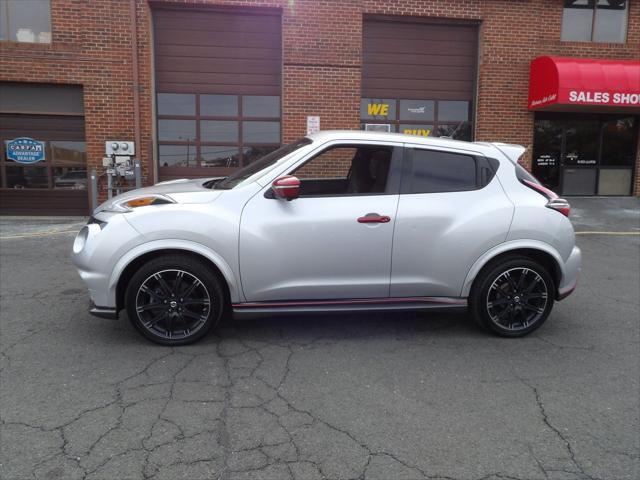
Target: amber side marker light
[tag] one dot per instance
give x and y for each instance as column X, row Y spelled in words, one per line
column 144, row 201
column 555, row 203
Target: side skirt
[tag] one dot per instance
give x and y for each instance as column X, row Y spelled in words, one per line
column 255, row 309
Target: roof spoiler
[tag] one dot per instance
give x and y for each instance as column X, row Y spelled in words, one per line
column 511, row 151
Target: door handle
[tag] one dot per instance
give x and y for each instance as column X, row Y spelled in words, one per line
column 374, row 218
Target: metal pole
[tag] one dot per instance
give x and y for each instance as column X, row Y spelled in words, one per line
column 109, row 182
column 94, row 190
column 138, row 174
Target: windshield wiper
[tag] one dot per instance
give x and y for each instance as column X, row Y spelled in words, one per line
column 212, row 183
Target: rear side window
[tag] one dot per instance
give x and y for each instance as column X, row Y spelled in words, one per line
column 522, row 174
column 434, row 171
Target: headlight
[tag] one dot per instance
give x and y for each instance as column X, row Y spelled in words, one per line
column 81, row 239
column 128, row 204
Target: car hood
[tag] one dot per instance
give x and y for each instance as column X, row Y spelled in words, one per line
column 180, row 191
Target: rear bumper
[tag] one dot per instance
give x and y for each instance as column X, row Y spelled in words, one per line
column 571, row 274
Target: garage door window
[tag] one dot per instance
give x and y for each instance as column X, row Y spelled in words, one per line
column 64, row 167
column 424, row 118
column 216, row 133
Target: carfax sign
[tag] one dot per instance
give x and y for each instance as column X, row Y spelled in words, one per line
column 25, row 150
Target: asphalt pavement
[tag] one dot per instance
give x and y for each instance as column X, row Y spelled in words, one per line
column 393, row 396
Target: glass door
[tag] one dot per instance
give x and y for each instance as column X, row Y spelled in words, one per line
column 585, row 154
column 618, row 155
column 580, row 157
column 547, row 151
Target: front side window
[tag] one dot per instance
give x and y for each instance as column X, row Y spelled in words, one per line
column 260, row 167
column 436, row 172
column 26, row 21
column 595, row 21
column 346, row 170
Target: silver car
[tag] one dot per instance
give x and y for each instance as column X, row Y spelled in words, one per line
column 336, row 221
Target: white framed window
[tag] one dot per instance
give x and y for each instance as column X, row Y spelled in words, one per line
column 27, row 21
column 603, row 21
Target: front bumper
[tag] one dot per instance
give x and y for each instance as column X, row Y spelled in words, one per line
column 103, row 312
column 96, row 255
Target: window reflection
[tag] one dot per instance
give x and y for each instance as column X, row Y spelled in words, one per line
column 70, row 165
column 220, row 156
column 260, row 106
column 251, row 154
column 457, row 131
column 177, row 155
column 219, row 105
column 453, row 111
column 617, row 142
column 182, row 130
column 261, row 132
column 216, row 130
column 176, row 104
column 27, row 177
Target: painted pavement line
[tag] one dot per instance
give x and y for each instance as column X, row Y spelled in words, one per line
column 38, row 234
column 596, row 232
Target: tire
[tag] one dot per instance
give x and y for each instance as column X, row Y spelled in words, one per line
column 512, row 296
column 174, row 300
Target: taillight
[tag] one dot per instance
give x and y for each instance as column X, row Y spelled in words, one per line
column 555, row 203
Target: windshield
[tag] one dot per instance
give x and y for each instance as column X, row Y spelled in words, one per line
column 258, row 168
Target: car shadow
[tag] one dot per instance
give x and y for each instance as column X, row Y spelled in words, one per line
column 311, row 327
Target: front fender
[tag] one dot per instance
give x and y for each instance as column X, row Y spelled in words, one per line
column 505, row 248
column 176, row 244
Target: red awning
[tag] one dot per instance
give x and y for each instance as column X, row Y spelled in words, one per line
column 557, row 81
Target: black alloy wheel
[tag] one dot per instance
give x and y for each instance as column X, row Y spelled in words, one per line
column 512, row 297
column 517, row 298
column 174, row 300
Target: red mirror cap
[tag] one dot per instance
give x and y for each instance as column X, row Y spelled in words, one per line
column 287, row 187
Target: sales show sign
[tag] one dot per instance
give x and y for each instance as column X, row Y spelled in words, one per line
column 25, row 150
column 559, row 81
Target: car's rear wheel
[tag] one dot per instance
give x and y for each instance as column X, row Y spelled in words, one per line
column 512, row 296
column 174, row 300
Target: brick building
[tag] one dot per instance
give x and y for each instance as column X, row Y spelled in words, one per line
column 205, row 86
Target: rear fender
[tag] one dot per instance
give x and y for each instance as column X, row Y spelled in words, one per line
column 506, row 248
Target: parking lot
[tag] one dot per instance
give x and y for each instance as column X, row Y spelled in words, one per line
column 393, row 396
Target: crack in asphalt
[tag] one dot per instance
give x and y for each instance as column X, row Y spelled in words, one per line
column 567, row 444
column 237, row 369
column 228, row 409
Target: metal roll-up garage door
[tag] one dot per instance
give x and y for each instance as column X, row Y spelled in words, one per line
column 218, row 87
column 419, row 78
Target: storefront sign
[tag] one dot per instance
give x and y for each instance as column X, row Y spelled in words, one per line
column 606, row 98
column 25, row 150
column 545, row 161
column 557, row 81
column 313, row 124
column 375, row 109
column 420, row 132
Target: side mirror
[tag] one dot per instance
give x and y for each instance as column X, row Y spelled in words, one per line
column 287, row 187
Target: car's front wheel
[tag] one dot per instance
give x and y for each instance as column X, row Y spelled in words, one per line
column 174, row 300
column 512, row 296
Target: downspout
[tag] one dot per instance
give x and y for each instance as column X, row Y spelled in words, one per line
column 136, row 85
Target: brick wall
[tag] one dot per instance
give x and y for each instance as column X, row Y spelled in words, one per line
column 88, row 48
column 322, row 57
